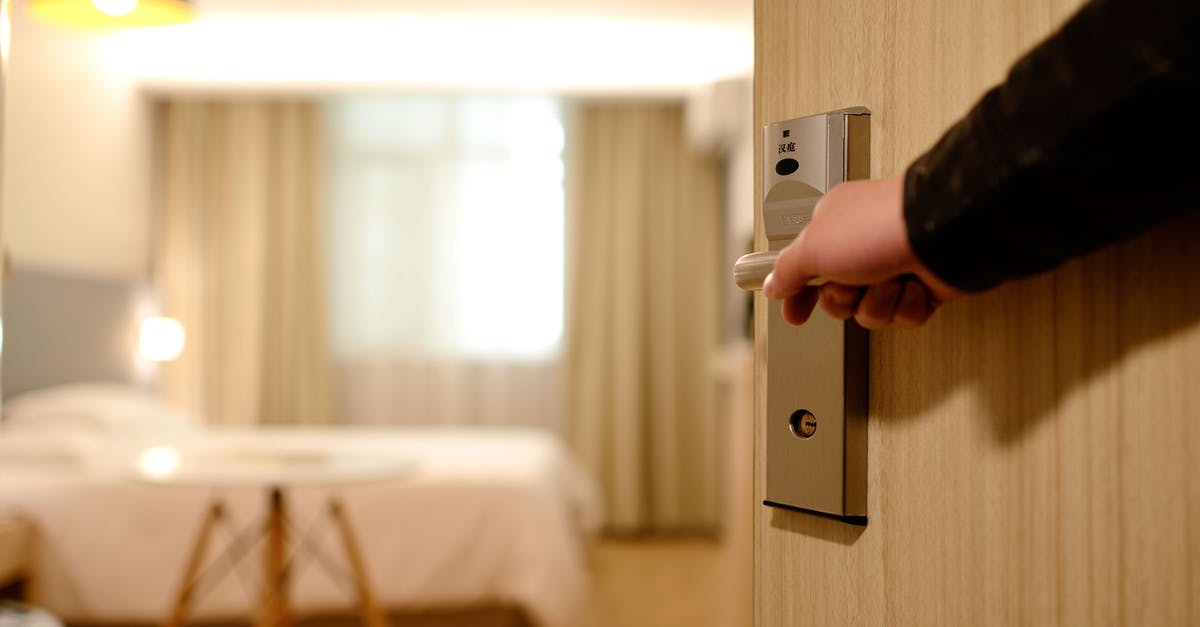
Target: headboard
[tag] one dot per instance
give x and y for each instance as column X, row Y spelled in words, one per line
column 66, row 328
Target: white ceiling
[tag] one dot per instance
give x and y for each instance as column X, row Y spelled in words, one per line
column 608, row 46
column 724, row 12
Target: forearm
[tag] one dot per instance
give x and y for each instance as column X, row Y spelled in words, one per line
column 1086, row 142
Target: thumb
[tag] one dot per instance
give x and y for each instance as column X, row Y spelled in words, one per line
column 792, row 270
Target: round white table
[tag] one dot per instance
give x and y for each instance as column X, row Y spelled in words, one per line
column 274, row 470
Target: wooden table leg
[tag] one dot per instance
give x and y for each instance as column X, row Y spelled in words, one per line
column 372, row 616
column 188, row 585
column 274, row 610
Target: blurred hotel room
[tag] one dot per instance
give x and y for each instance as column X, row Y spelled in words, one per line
column 380, row 311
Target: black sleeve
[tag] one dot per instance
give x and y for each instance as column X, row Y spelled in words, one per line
column 1092, row 138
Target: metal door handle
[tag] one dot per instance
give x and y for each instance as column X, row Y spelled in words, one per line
column 815, row 388
column 751, row 270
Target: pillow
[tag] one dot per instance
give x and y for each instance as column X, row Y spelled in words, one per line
column 96, row 408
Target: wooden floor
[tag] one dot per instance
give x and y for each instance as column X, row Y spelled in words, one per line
column 635, row 583
column 665, row 583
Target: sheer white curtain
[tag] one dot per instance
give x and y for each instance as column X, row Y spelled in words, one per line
column 446, row 259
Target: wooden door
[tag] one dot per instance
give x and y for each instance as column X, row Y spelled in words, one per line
column 1034, row 451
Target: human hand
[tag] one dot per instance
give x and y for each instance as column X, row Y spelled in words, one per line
column 858, row 240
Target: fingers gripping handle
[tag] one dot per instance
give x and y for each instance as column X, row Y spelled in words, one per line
column 751, row 270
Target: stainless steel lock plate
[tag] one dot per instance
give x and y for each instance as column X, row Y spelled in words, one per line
column 816, row 431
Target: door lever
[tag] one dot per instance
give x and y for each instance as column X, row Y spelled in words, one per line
column 751, row 270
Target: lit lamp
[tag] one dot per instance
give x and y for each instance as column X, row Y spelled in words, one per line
column 161, row 339
column 112, row 13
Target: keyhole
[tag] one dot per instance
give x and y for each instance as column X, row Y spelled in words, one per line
column 803, row 423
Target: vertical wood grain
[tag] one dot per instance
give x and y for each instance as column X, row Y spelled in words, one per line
column 1033, row 450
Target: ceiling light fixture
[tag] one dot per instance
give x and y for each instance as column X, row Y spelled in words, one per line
column 112, row 13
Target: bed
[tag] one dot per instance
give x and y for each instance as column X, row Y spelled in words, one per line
column 486, row 517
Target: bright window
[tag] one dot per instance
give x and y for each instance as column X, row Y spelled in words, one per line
column 446, row 226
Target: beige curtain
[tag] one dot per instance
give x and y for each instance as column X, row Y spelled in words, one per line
column 240, row 259
column 643, row 309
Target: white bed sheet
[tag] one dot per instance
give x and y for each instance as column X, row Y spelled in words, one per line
column 488, row 515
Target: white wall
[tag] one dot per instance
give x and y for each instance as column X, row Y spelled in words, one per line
column 720, row 119
column 76, row 156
